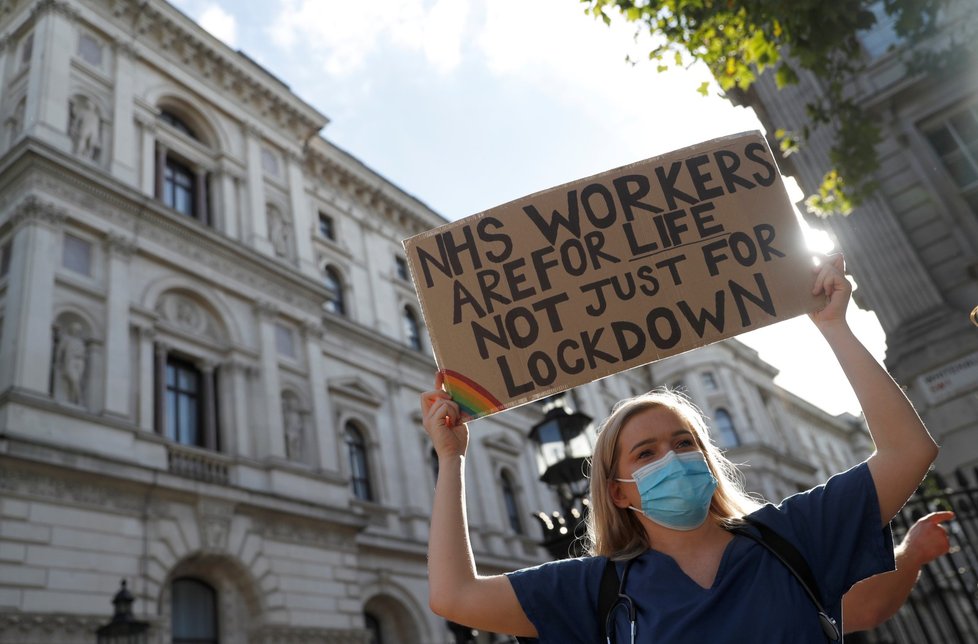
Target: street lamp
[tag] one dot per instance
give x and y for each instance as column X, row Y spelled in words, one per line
column 123, row 629
column 562, row 453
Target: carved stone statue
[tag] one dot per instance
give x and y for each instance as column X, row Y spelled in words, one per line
column 279, row 232
column 70, row 361
column 85, row 128
column 293, row 427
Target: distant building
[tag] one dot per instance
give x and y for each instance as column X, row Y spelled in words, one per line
column 912, row 247
column 211, row 357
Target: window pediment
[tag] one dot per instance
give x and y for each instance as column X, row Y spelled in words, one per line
column 356, row 389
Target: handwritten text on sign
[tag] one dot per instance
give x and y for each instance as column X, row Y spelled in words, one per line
column 607, row 273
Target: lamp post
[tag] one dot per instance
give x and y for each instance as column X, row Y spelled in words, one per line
column 562, row 453
column 123, row 629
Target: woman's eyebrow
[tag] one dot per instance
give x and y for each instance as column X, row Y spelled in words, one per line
column 654, row 440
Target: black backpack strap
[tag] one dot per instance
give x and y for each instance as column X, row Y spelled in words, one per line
column 794, row 561
column 607, row 595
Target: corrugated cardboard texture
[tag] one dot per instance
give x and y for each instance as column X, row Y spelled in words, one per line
column 610, row 272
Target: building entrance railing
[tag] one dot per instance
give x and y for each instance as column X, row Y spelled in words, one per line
column 943, row 607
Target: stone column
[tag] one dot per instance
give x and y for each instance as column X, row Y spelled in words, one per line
column 159, row 169
column 25, row 347
column 209, row 412
column 123, row 165
column 119, row 251
column 229, row 206
column 301, row 215
column 49, row 77
column 241, row 374
column 200, row 196
column 147, row 170
column 159, row 389
column 322, row 413
column 147, row 374
column 256, row 192
column 271, row 389
column 5, row 47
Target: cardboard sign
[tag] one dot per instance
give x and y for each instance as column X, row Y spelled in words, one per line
column 607, row 273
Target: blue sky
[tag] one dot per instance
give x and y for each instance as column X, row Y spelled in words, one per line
column 468, row 104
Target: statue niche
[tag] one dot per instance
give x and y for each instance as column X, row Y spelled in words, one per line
column 279, row 232
column 85, row 127
column 294, row 426
column 71, row 361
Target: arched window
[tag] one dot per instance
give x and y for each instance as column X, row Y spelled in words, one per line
column 509, row 498
column 726, row 432
column 181, row 182
column 412, row 330
column 194, row 612
column 373, row 628
column 334, row 286
column 359, row 470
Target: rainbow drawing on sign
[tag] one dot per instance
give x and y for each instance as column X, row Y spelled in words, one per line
column 473, row 400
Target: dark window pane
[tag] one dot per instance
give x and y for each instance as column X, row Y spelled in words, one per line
column 194, row 612
column 965, row 126
column 326, row 228
column 512, row 508
column 962, row 170
column 178, row 187
column 359, row 473
column 726, row 433
column 942, row 141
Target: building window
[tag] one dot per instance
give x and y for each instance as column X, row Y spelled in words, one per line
column 373, row 629
column 183, row 393
column 709, row 381
column 194, row 612
column 90, row 50
column 359, row 470
column 326, row 227
column 509, row 498
column 76, row 255
column 186, row 400
column 178, row 124
column 178, row 187
column 412, row 329
column 955, row 139
column 284, row 340
column 401, row 268
column 726, row 432
column 334, row 287
column 181, row 183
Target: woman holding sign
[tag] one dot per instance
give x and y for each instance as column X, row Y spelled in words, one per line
column 667, row 509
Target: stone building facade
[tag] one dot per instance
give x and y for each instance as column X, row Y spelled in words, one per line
column 913, row 246
column 211, row 357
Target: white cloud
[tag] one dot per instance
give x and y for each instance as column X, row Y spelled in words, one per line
column 342, row 34
column 220, row 23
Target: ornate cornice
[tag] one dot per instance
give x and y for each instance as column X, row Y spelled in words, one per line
column 172, row 36
column 121, row 245
column 33, row 210
column 54, row 6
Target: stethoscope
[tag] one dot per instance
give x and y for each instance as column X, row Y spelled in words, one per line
column 829, row 625
column 622, row 600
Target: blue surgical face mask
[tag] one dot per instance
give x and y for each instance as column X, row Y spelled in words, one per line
column 676, row 490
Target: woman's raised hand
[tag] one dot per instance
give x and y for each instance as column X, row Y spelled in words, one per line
column 440, row 414
column 830, row 280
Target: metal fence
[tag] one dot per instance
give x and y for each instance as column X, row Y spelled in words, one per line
column 943, row 607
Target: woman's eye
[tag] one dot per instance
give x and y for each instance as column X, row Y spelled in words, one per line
column 645, row 453
column 684, row 443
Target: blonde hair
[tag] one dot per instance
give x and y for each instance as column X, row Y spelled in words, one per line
column 617, row 532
